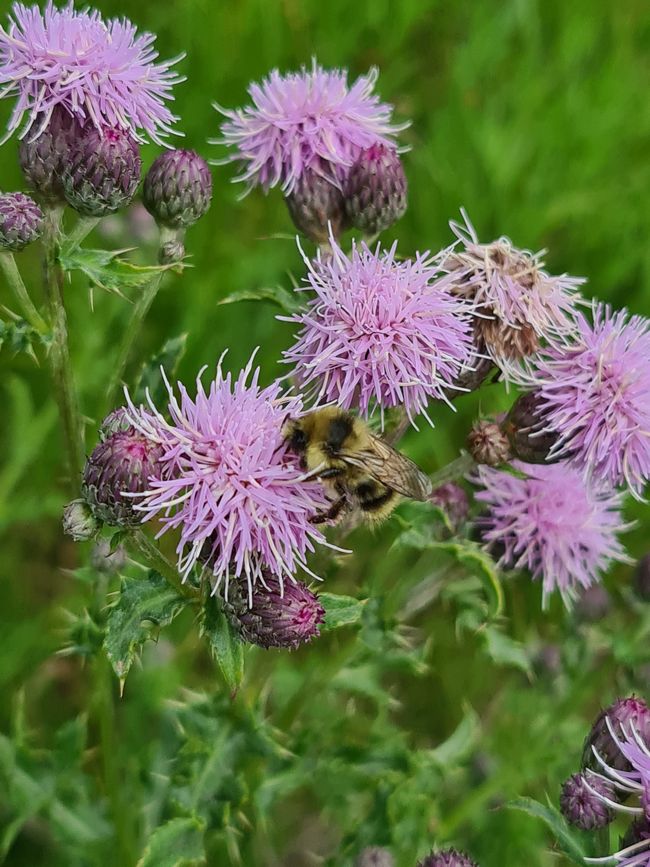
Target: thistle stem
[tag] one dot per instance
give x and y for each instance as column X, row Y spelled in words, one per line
column 155, row 559
column 134, row 326
column 59, row 355
column 82, row 229
column 15, row 281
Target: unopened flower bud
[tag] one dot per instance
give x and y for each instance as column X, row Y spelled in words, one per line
column 624, row 713
column 79, row 522
column 44, row 159
column 452, row 499
column 104, row 171
column 522, row 425
column 642, row 578
column 487, row 444
column 106, row 561
column 581, row 807
column 447, row 858
column 592, row 604
column 375, row 856
column 177, row 189
column 116, row 421
column 123, row 463
column 21, row 221
column 316, row 206
column 274, row 619
column 375, row 190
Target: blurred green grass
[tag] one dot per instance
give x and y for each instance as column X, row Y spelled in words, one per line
column 531, row 114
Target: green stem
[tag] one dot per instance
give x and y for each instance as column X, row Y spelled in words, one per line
column 454, row 470
column 59, row 355
column 82, row 229
column 119, row 808
column 134, row 326
column 15, row 281
column 155, row 559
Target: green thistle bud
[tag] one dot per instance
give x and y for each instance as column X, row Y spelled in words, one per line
column 487, row 444
column 375, row 191
column 44, row 159
column 316, row 205
column 177, row 189
column 79, row 521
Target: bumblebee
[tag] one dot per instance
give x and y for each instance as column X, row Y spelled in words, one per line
column 361, row 470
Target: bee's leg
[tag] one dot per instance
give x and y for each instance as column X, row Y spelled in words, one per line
column 332, row 513
column 331, row 473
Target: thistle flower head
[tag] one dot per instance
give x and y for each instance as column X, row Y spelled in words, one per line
column 375, row 190
column 177, row 188
column 317, row 207
column 528, row 441
column 21, row 221
column 79, row 522
column 122, row 463
column 447, row 858
column 305, row 120
column 594, row 395
column 43, row 160
column 487, row 443
column 520, row 305
column 102, row 72
column 229, row 483
column 620, row 716
column 452, row 499
column 550, row 521
column 581, row 804
column 276, row 616
column 379, row 331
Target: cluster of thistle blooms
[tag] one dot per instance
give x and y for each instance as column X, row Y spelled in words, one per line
column 615, row 778
column 87, row 93
column 378, row 856
column 376, row 331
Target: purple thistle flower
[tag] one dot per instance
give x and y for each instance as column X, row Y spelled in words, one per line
column 229, row 482
column 103, row 73
column 21, row 221
column 447, row 858
column 453, row 500
column 518, row 304
column 305, row 120
column 633, row 784
column 553, row 523
column 379, row 331
column 621, row 714
column 581, row 803
column 594, row 394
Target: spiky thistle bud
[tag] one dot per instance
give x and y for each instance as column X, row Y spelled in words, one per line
column 21, row 221
column 375, row 856
column 274, row 619
column 106, row 561
column 487, row 444
column 452, row 499
column 123, row 463
column 43, row 159
column 375, row 190
column 103, row 172
column 581, row 807
column 316, row 206
column 642, row 578
column 116, row 421
column 447, row 858
column 622, row 714
column 79, row 522
column 522, row 426
column 177, row 189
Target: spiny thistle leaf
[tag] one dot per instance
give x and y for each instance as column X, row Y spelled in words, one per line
column 143, row 606
column 107, row 270
column 177, row 843
column 19, row 336
column 569, row 843
column 340, row 610
column 287, row 301
column 225, row 646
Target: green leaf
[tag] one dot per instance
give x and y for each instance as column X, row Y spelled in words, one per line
column 224, row 644
column 286, row 300
column 461, row 743
column 177, row 843
column 143, row 605
column 340, row 610
column 468, row 554
column 150, row 379
column 505, row 650
column 106, row 269
column 569, row 843
column 19, row 336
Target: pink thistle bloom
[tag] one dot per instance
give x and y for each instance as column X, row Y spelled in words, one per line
column 633, row 784
column 102, row 73
column 553, row 523
column 594, row 395
column 379, row 331
column 228, row 482
column 305, row 120
column 519, row 305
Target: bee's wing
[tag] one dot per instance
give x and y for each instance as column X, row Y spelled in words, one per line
column 392, row 468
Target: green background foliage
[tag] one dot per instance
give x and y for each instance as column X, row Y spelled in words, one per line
column 419, row 723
